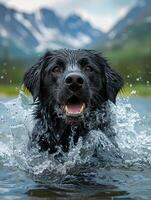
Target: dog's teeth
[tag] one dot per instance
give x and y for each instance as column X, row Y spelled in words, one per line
column 66, row 108
column 68, row 111
column 82, row 108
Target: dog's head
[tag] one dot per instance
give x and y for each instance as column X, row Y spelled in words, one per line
column 72, row 82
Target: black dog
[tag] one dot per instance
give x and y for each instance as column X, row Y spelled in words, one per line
column 68, row 87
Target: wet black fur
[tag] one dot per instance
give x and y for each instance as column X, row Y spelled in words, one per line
column 101, row 84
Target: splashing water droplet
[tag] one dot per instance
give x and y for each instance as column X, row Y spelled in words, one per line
column 17, row 123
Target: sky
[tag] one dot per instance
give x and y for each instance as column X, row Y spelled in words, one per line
column 102, row 14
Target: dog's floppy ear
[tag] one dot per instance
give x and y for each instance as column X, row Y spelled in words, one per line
column 114, row 82
column 32, row 77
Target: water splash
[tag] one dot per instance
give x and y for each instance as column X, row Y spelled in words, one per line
column 16, row 124
column 133, row 135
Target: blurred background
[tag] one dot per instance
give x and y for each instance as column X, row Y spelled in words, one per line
column 119, row 29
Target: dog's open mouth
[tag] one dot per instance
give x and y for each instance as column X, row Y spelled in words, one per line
column 74, row 107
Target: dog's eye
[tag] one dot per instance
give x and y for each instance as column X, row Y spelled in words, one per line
column 88, row 68
column 57, row 70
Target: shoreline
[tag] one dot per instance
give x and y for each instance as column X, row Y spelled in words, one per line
column 139, row 90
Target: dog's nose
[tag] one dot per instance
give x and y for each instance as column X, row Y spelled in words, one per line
column 74, row 81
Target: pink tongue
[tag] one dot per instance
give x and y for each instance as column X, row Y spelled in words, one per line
column 74, row 108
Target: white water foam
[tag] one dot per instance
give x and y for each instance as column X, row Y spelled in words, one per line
column 16, row 124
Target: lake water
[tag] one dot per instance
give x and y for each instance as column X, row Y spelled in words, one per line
column 78, row 175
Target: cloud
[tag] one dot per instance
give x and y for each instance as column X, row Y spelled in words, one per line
column 122, row 11
column 30, row 5
column 104, row 21
column 98, row 21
